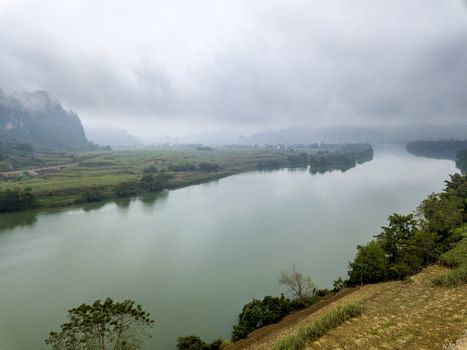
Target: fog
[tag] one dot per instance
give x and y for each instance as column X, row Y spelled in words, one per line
column 180, row 69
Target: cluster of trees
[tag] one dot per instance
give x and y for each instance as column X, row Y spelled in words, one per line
column 203, row 167
column 17, row 198
column 182, row 167
column 411, row 242
column 193, row 342
column 341, row 155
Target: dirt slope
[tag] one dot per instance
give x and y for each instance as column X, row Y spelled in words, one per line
column 398, row 315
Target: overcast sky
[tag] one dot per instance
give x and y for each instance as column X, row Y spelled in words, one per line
column 176, row 67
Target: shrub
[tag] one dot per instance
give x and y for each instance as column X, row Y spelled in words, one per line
column 191, row 342
column 93, row 194
column 456, row 258
column 259, row 313
column 318, row 328
column 126, row 189
column 18, row 198
column 208, row 167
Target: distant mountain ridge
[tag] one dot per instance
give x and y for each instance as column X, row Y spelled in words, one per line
column 111, row 137
column 40, row 120
column 357, row 134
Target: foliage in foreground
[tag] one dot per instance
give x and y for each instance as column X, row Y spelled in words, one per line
column 193, row 342
column 411, row 242
column 318, row 328
column 102, row 326
column 456, row 258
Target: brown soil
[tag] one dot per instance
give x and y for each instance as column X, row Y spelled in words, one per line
column 261, row 334
column 400, row 315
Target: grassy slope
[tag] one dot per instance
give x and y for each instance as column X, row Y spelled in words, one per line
column 412, row 314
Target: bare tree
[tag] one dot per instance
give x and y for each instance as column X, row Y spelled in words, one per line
column 300, row 286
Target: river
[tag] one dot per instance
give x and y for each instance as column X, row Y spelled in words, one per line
column 194, row 256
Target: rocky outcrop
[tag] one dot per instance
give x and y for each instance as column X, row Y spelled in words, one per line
column 40, row 120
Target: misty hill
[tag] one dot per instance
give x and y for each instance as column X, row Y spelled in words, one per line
column 358, row 134
column 111, row 137
column 38, row 119
column 446, row 149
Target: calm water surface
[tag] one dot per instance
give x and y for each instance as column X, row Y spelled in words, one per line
column 194, row 256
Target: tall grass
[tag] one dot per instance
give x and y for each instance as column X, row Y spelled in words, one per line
column 456, row 258
column 318, row 328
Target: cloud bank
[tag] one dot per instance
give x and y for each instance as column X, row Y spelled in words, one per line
column 175, row 67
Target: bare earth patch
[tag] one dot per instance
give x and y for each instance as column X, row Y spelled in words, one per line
column 408, row 314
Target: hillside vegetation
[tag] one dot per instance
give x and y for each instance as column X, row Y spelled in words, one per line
column 407, row 305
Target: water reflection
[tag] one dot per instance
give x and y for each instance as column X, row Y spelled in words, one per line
column 12, row 220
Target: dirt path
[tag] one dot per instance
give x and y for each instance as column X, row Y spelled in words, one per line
column 37, row 170
column 261, row 334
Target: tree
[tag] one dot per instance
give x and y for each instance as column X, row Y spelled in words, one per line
column 300, row 286
column 259, row 313
column 338, row 284
column 442, row 212
column 369, row 265
column 101, row 326
column 191, row 342
column 154, row 182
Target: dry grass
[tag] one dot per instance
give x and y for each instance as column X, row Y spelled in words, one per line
column 410, row 314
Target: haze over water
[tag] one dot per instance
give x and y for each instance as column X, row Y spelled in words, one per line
column 194, row 256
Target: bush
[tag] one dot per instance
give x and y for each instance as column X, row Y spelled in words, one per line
column 318, row 328
column 18, row 198
column 456, row 258
column 193, row 342
column 126, row 189
column 150, row 169
column 93, row 194
column 154, row 182
column 208, row 167
column 259, row 313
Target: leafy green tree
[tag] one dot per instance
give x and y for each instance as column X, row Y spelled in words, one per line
column 300, row 286
column 338, row 284
column 191, row 342
column 369, row 265
column 154, row 182
column 394, row 238
column 102, row 326
column 441, row 213
column 259, row 313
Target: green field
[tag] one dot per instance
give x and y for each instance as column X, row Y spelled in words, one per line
column 105, row 170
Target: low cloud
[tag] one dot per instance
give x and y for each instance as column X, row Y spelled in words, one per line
column 241, row 65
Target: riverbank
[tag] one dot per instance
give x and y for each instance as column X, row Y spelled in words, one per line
column 110, row 175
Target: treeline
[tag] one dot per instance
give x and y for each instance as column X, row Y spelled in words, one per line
column 337, row 156
column 205, row 167
column 411, row 242
column 437, row 149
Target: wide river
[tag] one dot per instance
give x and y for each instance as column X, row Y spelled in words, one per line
column 194, row 256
